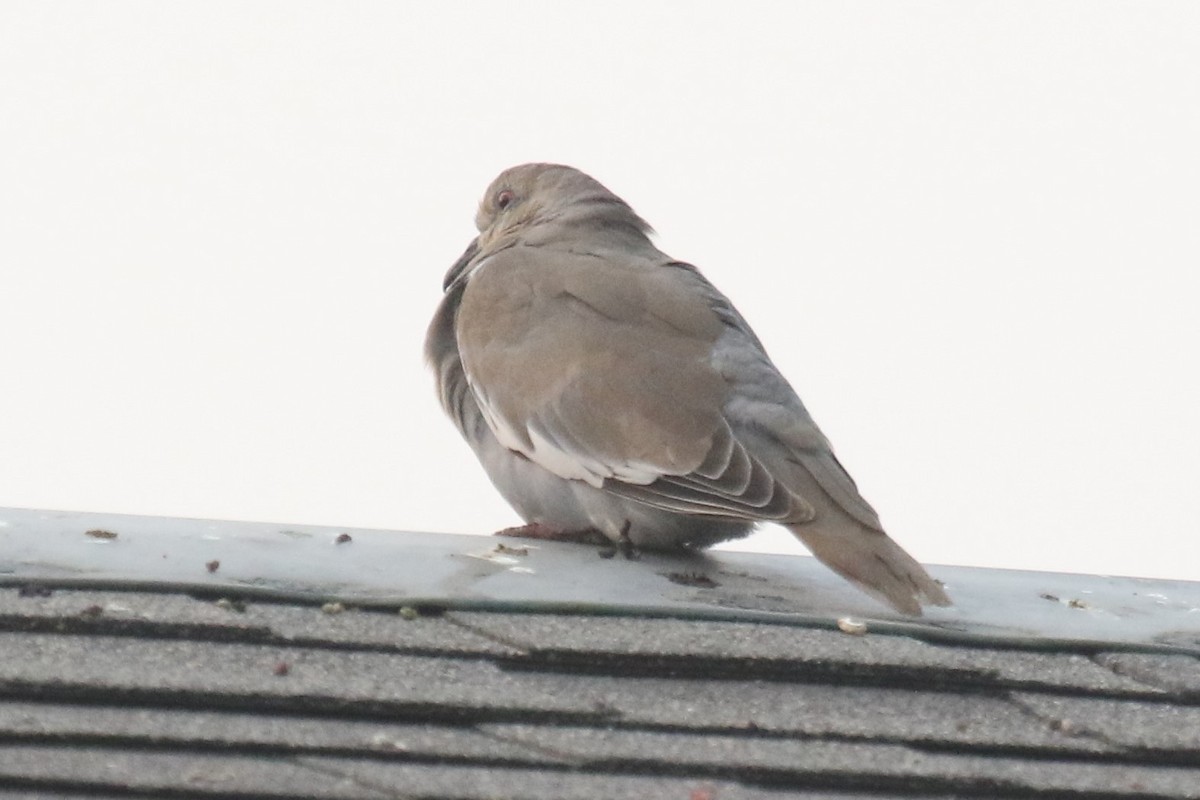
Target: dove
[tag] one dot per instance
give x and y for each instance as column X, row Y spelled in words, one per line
column 605, row 386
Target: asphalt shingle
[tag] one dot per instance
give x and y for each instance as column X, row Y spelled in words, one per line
column 1169, row 728
column 1176, row 674
column 153, row 726
column 854, row 765
column 968, row 720
column 157, row 615
column 227, row 675
column 202, row 690
column 674, row 646
column 141, row 771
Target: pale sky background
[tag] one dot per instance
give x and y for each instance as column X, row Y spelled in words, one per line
column 969, row 233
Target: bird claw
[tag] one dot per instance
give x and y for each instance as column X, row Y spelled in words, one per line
column 536, row 530
column 625, row 544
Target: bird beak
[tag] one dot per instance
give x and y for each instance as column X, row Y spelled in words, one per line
column 459, row 269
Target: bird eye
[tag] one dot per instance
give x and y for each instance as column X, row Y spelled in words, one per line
column 504, row 198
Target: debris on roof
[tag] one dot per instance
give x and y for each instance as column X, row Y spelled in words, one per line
column 460, row 666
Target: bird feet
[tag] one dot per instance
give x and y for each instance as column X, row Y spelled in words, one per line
column 536, row 530
column 623, row 545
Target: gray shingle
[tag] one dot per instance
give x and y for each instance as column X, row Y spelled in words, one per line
column 198, row 774
column 55, row 794
column 467, row 783
column 1178, row 674
column 228, row 774
column 704, row 647
column 815, row 710
column 233, row 674
column 218, row 673
column 154, row 614
column 669, row 690
column 179, row 728
column 1153, row 726
column 854, row 765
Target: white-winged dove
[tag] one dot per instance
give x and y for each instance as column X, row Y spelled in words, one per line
column 604, row 385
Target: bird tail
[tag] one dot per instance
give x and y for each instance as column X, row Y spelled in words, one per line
column 873, row 561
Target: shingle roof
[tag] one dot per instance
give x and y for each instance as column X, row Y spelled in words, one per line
column 128, row 669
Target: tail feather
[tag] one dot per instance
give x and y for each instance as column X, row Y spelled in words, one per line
column 844, row 531
column 873, row 561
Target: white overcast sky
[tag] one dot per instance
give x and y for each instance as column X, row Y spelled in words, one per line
column 969, row 233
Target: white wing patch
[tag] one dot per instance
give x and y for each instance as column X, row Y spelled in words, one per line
column 543, row 449
column 503, row 432
column 564, row 464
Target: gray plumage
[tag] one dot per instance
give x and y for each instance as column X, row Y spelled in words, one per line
column 604, row 385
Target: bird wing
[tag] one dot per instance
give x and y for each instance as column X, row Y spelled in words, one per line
column 600, row 369
column 773, row 422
